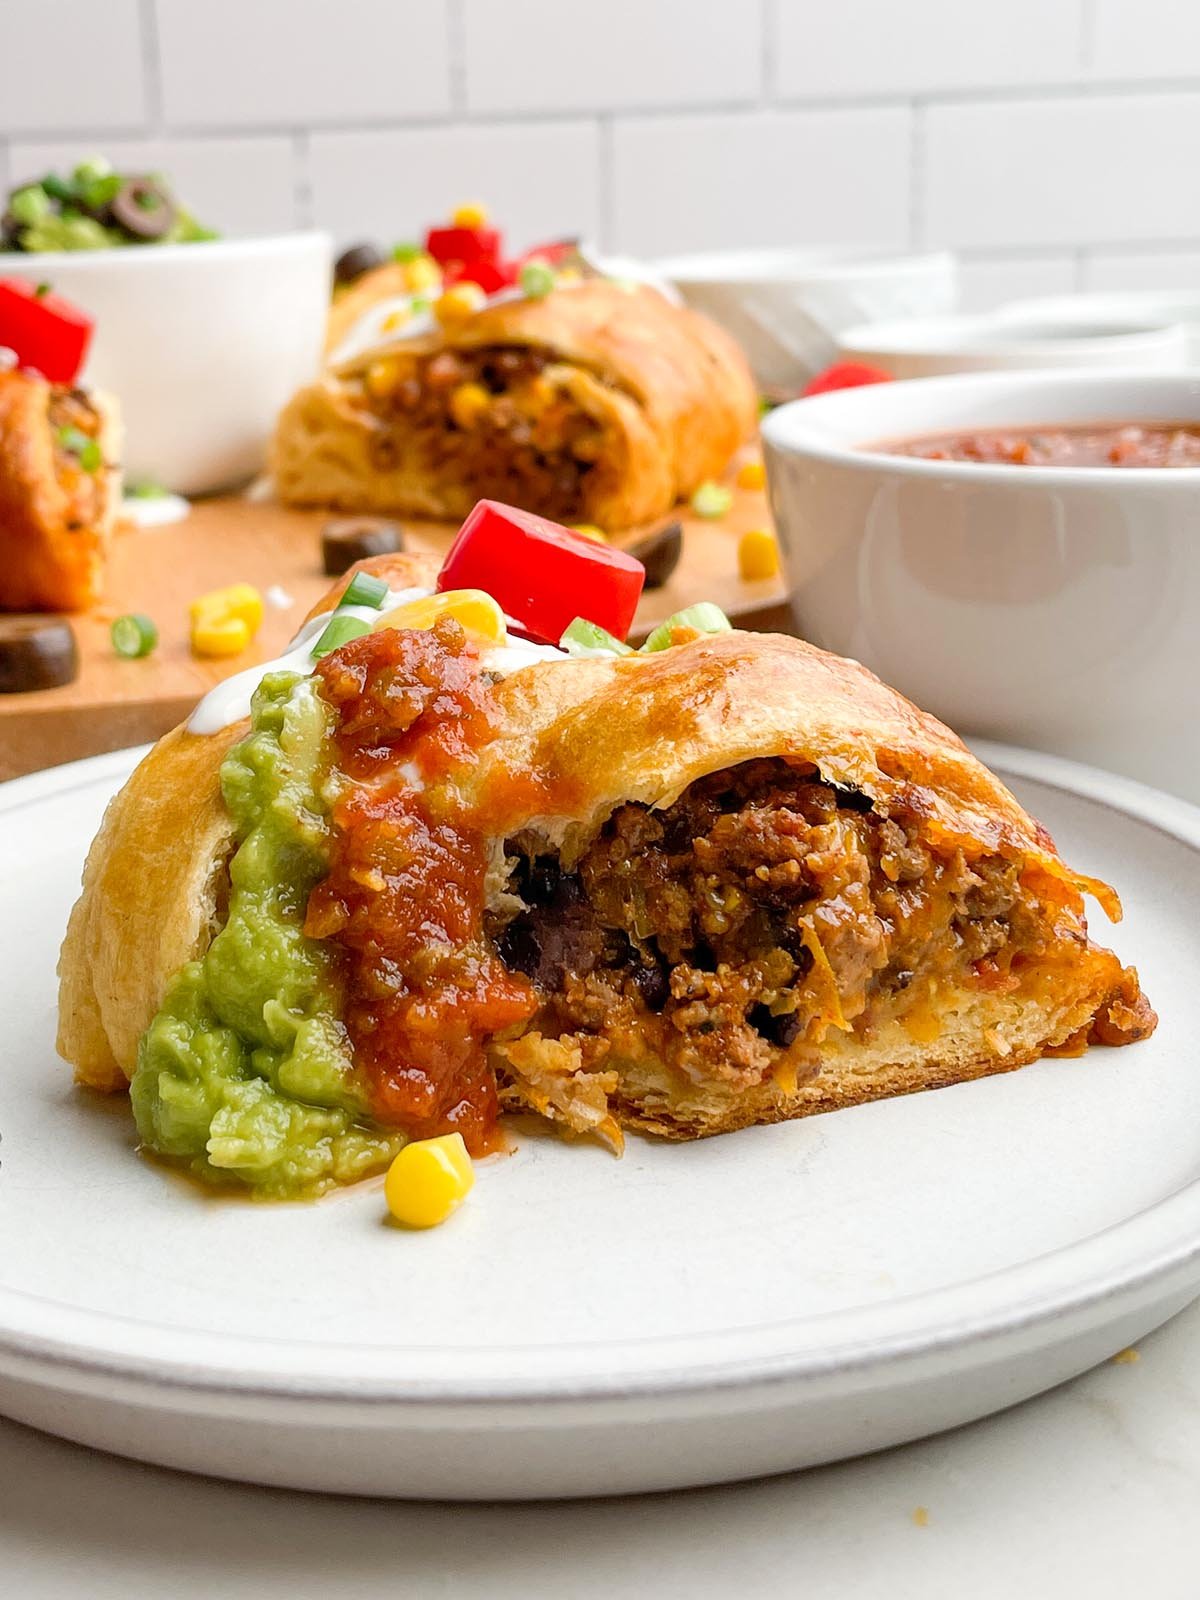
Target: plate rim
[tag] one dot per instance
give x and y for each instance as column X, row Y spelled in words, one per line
column 69, row 1345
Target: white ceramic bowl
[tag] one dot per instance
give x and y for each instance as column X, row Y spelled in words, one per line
column 786, row 307
column 1150, row 305
column 1046, row 606
column 1019, row 338
column 201, row 343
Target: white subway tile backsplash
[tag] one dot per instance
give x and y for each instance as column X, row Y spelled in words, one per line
column 762, row 178
column 861, row 47
column 1149, row 269
column 282, row 63
column 1059, row 171
column 543, row 55
column 1044, row 138
column 539, row 179
column 987, row 283
column 68, row 64
column 1145, row 39
column 238, row 186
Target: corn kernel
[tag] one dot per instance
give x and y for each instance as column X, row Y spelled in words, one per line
column 220, row 636
column 589, row 530
column 472, row 215
column 382, row 377
column 422, row 273
column 235, row 600
column 758, row 554
column 537, row 395
column 476, row 611
column 751, row 475
column 428, row 1180
column 395, row 319
column 458, row 303
column 468, row 403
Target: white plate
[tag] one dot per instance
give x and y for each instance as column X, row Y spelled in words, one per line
column 694, row 1313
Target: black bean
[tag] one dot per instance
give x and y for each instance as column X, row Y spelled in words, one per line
column 520, row 948
column 852, row 799
column 654, row 986
column 780, row 1030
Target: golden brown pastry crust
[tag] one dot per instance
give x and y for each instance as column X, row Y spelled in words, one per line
column 670, row 391
column 380, row 283
column 54, row 532
column 599, row 733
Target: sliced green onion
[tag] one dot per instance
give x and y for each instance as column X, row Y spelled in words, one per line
column 537, row 279
column 712, row 500
column 57, row 188
column 406, row 252
column 582, row 636
column 91, row 169
column 99, row 192
column 340, row 631
column 29, row 205
column 86, row 449
column 42, row 290
column 364, row 589
column 147, row 489
column 133, row 635
column 704, row 617
column 419, row 304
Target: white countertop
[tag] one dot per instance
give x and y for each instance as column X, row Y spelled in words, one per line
column 1091, row 1490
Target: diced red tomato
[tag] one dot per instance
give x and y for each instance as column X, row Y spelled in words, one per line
column 553, row 254
column 463, row 244
column 845, row 375
column 46, row 331
column 542, row 574
column 489, row 275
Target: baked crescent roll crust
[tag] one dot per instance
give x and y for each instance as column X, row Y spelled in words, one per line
column 380, row 283
column 600, row 402
column 601, row 755
column 55, row 517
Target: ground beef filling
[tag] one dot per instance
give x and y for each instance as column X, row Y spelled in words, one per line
column 497, row 418
column 728, row 933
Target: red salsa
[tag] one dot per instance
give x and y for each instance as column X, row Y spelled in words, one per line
column 1133, row 444
column 405, row 891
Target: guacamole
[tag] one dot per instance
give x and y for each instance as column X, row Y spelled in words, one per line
column 245, row 1073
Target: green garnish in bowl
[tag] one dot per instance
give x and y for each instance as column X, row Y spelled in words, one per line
column 95, row 208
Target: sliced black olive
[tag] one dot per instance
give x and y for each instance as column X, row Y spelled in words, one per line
column 659, row 553
column 143, row 207
column 36, row 653
column 780, row 1030
column 349, row 539
column 354, row 262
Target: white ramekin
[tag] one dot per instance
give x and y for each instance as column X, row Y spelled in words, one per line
column 202, row 344
column 787, row 307
column 1046, row 606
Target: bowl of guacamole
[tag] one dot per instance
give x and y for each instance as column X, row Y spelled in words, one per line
column 201, row 337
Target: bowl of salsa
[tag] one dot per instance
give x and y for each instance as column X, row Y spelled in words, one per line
column 1018, row 551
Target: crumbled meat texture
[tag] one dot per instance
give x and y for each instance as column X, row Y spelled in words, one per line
column 763, row 907
column 531, row 443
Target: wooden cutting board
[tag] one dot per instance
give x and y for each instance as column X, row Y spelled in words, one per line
column 114, row 703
